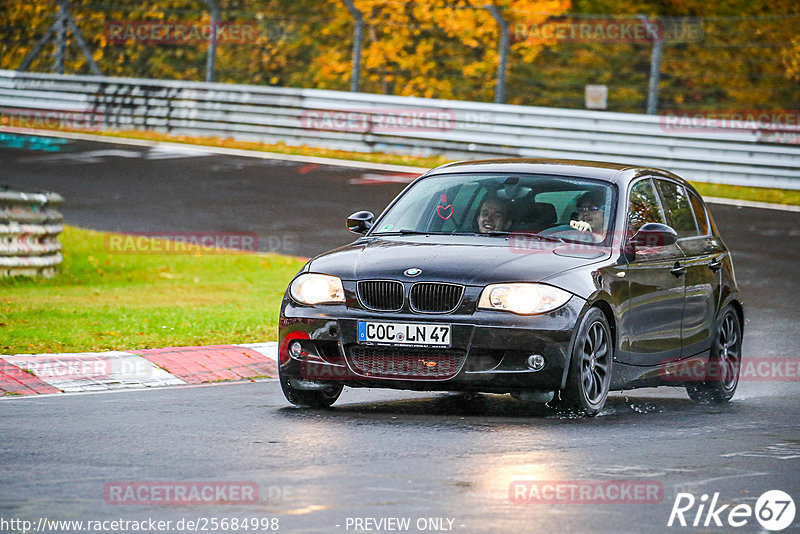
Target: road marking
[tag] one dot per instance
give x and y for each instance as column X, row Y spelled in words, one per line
column 32, row 142
column 374, row 179
column 688, row 487
column 778, row 451
column 637, row 471
column 92, row 156
column 160, row 152
column 224, row 151
column 751, row 204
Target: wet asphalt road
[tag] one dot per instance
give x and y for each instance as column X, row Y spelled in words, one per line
column 381, row 454
column 295, row 208
column 393, row 454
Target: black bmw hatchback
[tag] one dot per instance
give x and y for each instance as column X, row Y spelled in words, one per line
column 556, row 281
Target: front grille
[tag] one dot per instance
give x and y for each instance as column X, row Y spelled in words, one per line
column 394, row 362
column 381, row 295
column 434, row 297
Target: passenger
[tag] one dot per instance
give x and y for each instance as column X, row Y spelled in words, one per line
column 493, row 215
column 591, row 217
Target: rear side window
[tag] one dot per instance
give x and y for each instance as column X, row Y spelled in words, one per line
column 699, row 213
column 644, row 206
column 679, row 210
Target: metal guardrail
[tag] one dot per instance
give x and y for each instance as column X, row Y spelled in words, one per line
column 29, row 228
column 369, row 123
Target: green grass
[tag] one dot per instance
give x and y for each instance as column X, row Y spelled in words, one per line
column 760, row 194
column 104, row 301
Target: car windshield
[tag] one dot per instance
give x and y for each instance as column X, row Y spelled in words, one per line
column 562, row 207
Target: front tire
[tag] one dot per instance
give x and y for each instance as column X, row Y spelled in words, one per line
column 589, row 376
column 310, row 398
column 724, row 363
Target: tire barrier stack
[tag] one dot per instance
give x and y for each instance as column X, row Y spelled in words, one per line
column 29, row 228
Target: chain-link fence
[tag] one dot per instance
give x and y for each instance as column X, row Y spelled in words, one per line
column 534, row 52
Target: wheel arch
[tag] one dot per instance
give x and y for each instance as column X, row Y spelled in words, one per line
column 737, row 306
column 605, row 307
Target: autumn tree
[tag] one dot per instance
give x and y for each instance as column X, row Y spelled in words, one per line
column 747, row 54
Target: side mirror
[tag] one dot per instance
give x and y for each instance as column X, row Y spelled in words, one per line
column 654, row 235
column 360, row 222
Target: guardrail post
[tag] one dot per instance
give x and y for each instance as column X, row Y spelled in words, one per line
column 358, row 38
column 503, row 45
column 211, row 59
column 656, row 33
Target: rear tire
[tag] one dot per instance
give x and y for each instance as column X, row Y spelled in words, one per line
column 310, row 398
column 589, row 376
column 724, row 362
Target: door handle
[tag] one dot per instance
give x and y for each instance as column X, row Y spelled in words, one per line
column 715, row 264
column 677, row 269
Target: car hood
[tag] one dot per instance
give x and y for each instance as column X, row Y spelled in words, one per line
column 471, row 260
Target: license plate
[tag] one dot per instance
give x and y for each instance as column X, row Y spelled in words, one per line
column 422, row 335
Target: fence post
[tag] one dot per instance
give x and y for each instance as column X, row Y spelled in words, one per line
column 656, row 33
column 211, row 59
column 26, row 63
column 505, row 40
column 358, row 37
column 59, row 28
column 76, row 33
column 61, row 40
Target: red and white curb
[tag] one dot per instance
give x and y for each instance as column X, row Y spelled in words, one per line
column 32, row 374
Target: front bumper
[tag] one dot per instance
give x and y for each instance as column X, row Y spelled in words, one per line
column 489, row 350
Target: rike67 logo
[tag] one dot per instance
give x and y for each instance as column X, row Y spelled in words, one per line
column 774, row 510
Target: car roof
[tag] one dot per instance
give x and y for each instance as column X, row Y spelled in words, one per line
column 618, row 173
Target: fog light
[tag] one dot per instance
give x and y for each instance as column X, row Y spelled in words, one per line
column 536, row 362
column 295, row 349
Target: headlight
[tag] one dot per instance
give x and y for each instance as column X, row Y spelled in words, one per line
column 522, row 298
column 317, row 288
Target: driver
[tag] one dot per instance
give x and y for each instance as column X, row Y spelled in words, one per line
column 493, row 215
column 590, row 213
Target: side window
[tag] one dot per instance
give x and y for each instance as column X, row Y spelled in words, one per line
column 699, row 213
column 679, row 211
column 644, row 206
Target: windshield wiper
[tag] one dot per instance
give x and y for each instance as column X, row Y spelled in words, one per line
column 526, row 234
column 406, row 231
